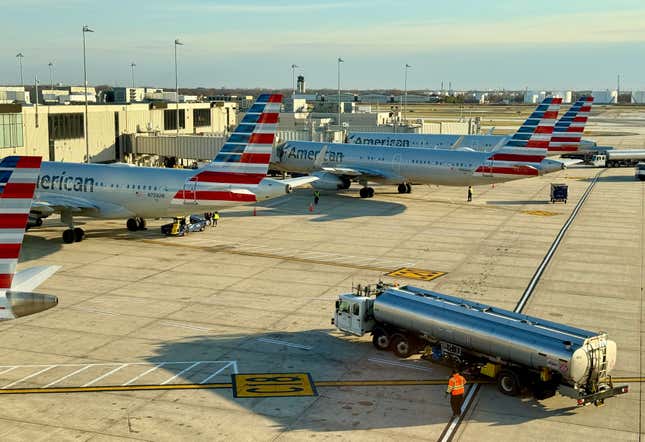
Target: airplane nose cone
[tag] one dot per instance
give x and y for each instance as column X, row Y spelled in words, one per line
column 25, row 304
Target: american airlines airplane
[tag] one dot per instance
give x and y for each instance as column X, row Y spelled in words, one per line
column 18, row 177
column 567, row 135
column 236, row 176
column 336, row 165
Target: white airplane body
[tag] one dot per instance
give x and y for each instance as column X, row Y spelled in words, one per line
column 566, row 137
column 337, row 164
column 236, row 176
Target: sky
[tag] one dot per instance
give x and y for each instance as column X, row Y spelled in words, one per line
column 511, row 44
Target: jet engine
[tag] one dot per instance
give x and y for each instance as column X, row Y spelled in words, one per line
column 329, row 181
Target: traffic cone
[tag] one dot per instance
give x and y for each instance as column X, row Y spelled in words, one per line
column 311, row 207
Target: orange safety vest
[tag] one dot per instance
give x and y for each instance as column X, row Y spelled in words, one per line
column 456, row 385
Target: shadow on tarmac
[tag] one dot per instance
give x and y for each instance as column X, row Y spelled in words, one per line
column 518, row 203
column 328, row 356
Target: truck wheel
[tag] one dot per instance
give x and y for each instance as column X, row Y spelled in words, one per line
column 401, row 346
column 508, row 383
column 381, row 339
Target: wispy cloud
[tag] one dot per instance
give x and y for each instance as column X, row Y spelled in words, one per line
column 264, row 8
column 425, row 37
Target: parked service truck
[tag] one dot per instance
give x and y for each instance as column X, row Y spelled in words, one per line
column 515, row 349
column 618, row 158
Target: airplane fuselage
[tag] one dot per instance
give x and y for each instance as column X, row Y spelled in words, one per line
column 399, row 164
column 123, row 191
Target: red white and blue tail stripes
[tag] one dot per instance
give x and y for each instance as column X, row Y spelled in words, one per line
column 524, row 151
column 18, row 175
column 569, row 128
column 537, row 130
column 242, row 162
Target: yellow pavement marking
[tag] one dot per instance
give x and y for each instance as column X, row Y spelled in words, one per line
column 265, row 384
column 408, row 272
column 540, row 212
column 273, row 385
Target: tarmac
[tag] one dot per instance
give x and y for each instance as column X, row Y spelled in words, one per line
column 151, row 331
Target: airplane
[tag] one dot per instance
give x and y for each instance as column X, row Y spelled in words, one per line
column 236, row 176
column 18, row 175
column 336, row 165
column 567, row 135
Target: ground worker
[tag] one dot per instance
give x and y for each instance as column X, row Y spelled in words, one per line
column 316, row 197
column 215, row 218
column 456, row 389
column 470, row 193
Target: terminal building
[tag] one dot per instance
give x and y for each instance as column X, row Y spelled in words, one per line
column 57, row 131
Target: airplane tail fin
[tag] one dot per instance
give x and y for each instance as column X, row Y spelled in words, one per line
column 522, row 154
column 18, row 175
column 537, row 130
column 242, row 162
column 569, row 128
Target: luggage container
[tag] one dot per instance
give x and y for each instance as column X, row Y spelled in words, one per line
column 559, row 193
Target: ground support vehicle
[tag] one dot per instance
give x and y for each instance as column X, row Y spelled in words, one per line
column 559, row 193
column 517, row 350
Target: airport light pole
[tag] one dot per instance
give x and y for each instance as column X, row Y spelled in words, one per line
column 86, row 29
column 177, row 43
column 405, row 90
column 293, row 78
column 51, row 74
column 132, row 66
column 340, row 60
column 19, row 56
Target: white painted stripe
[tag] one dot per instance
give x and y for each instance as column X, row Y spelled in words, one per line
column 399, row 364
column 208, row 378
column 181, row 372
column 454, row 421
column 15, row 205
column 67, row 376
column 91, row 310
column 180, row 325
column 145, row 373
column 8, row 369
column 285, row 343
column 30, row 376
column 105, row 375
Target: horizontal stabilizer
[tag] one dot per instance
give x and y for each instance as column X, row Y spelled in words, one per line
column 27, row 280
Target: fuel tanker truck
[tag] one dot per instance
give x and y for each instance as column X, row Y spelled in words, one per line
column 517, row 350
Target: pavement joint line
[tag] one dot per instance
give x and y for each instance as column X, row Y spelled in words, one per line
column 273, row 256
column 399, row 364
column 288, row 344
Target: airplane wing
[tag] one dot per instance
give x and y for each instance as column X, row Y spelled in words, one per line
column 569, row 161
column 56, row 203
column 27, row 280
column 300, row 181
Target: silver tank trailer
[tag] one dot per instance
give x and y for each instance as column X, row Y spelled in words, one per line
column 499, row 334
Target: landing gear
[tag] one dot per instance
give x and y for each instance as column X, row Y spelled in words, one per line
column 346, row 182
column 404, row 188
column 134, row 224
column 73, row 235
column 366, row 192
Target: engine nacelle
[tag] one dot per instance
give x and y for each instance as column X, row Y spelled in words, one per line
column 329, row 181
column 270, row 188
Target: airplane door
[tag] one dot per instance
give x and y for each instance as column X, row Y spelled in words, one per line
column 190, row 192
column 396, row 163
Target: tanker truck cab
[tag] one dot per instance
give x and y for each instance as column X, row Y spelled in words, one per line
column 354, row 314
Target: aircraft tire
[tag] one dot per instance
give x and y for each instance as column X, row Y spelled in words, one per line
column 132, row 224
column 364, row 192
column 141, row 224
column 408, row 188
column 403, row 188
column 79, row 234
column 68, row 236
column 370, row 192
